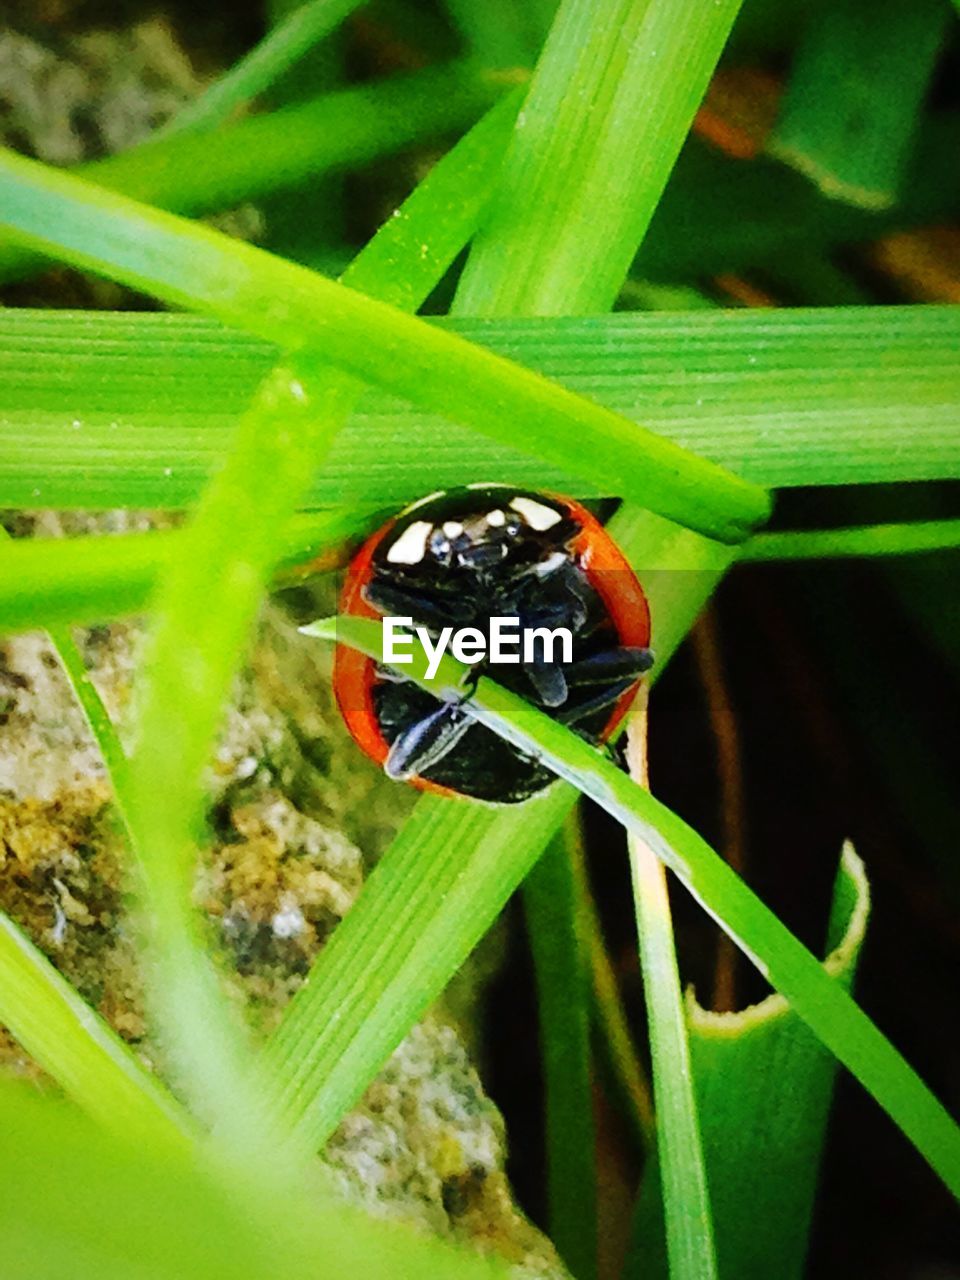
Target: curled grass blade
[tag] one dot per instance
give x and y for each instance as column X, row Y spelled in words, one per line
column 197, row 267
column 764, row 1084
column 786, row 964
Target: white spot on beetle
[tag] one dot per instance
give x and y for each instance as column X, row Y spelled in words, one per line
column 537, row 516
column 550, row 565
column 452, row 528
column 411, row 546
column 496, row 519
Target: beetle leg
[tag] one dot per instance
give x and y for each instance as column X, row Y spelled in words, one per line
column 606, row 697
column 610, row 664
column 426, row 741
column 548, row 681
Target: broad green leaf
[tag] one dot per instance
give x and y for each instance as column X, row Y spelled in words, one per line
column 822, row 396
column 189, row 265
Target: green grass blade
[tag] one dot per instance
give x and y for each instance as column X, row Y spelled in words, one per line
column 824, row 396
column 786, row 964
column 503, row 33
column 600, row 82
column 228, row 551
column 55, row 582
column 855, row 93
column 84, row 1203
column 289, row 40
column 760, row 213
column 95, row 713
column 49, row 1018
column 186, row 264
column 202, row 174
column 683, row 1178
column 571, row 208
column 863, row 540
column 75, row 1046
column 764, row 1084
column 217, row 583
column 631, row 1087
column 612, row 97
column 557, row 944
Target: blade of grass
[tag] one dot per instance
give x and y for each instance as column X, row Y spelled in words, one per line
column 55, row 582
column 853, row 101
column 610, row 1018
column 75, row 1046
column 598, row 134
column 308, row 223
column 554, row 928
column 826, row 396
column 579, row 134
column 202, row 174
column 763, row 1085
column 227, row 553
column 683, row 1177
column 786, row 964
column 760, row 213
column 84, row 1203
column 183, row 263
column 288, row 41
column 863, row 540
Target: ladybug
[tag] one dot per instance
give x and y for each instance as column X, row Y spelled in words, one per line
column 460, row 559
